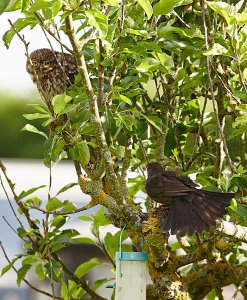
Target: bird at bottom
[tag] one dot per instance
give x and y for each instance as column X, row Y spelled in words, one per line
column 191, row 210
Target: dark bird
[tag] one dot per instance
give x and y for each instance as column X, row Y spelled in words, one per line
column 52, row 71
column 190, row 209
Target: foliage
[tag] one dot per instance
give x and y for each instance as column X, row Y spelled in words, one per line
column 159, row 80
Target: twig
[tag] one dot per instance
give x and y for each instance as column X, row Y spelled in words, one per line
column 61, row 213
column 26, row 281
column 193, row 155
column 17, row 199
column 101, row 76
column 221, row 133
column 10, row 204
column 181, row 20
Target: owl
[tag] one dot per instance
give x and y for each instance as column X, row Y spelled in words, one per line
column 52, row 71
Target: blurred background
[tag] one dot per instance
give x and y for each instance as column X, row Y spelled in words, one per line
column 22, row 153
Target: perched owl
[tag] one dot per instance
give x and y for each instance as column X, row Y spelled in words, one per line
column 52, row 71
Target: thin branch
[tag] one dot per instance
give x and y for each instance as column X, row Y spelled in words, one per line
column 193, row 155
column 61, row 213
column 26, row 281
column 101, row 76
column 92, row 99
column 10, row 204
column 17, row 199
column 221, row 133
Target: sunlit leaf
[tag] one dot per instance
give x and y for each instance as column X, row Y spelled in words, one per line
column 146, row 5
column 31, row 128
column 98, row 20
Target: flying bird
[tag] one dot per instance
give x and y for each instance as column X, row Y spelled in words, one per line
column 191, row 210
column 52, row 71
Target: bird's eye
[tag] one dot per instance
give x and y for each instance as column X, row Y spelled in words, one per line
column 34, row 63
column 46, row 64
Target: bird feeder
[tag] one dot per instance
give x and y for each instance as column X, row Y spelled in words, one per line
column 131, row 274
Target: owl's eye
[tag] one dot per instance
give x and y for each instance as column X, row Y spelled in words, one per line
column 46, row 64
column 34, row 63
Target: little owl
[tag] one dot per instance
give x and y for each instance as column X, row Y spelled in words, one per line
column 52, row 71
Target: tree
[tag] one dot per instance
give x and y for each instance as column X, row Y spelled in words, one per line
column 158, row 80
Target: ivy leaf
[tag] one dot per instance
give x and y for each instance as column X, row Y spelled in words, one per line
column 98, row 20
column 84, row 268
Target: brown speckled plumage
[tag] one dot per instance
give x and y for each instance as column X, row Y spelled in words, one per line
column 52, row 72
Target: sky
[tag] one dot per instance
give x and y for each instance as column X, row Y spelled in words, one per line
column 13, row 75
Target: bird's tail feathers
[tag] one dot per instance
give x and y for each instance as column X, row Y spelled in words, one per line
column 195, row 212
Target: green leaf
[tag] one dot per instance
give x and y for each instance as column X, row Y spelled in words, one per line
column 57, row 149
column 154, row 120
column 146, row 5
column 33, row 201
column 111, row 242
column 224, row 9
column 84, row 240
column 98, row 20
column 80, row 153
column 3, row 5
column 35, row 116
column 23, row 194
column 66, row 187
column 124, row 99
column 64, row 291
column 127, row 119
column 99, row 219
column 59, row 103
column 40, row 4
column 58, row 221
column 19, row 25
column 53, row 204
column 164, row 7
column 85, row 218
column 98, row 283
column 22, row 272
column 9, row 266
column 112, row 2
column 40, row 272
column 84, row 268
column 68, row 206
column 31, row 128
column 217, row 49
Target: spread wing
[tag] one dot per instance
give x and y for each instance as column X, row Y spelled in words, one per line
column 169, row 184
